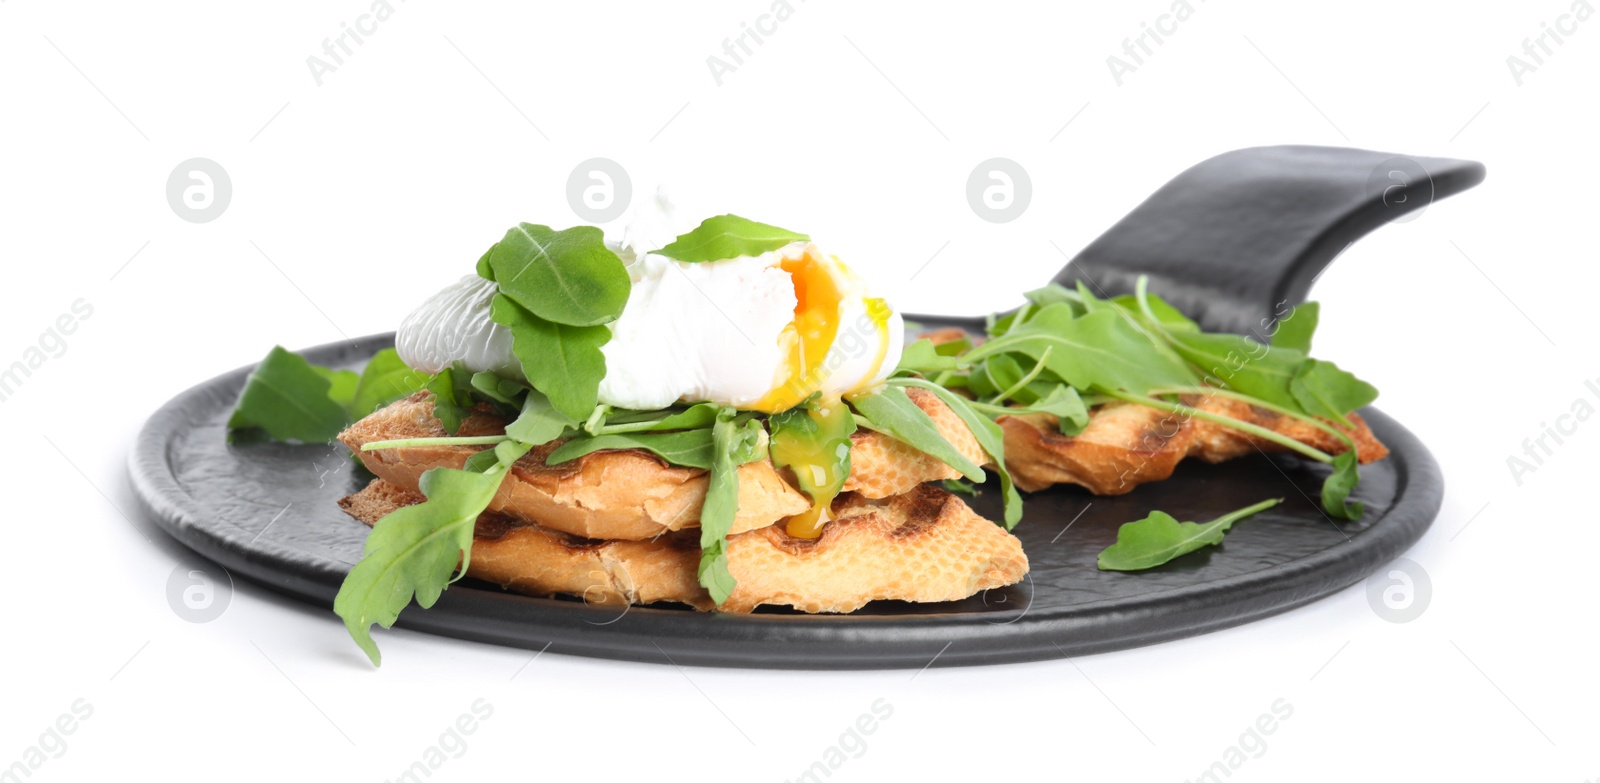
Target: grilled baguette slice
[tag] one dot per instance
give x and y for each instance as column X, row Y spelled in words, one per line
column 924, row 545
column 631, row 494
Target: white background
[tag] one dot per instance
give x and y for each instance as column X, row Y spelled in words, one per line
column 355, row 199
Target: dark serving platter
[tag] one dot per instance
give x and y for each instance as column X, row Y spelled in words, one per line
column 267, row 512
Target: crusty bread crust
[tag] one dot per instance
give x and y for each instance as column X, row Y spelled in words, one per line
column 1126, row 444
column 631, row 494
column 925, row 545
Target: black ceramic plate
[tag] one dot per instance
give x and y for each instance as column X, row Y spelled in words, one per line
column 267, row 512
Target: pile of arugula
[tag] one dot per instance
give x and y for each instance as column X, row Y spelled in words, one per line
column 1067, row 350
column 556, row 291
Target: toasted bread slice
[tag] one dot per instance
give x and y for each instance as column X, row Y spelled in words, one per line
column 1126, row 445
column 631, row 494
column 925, row 545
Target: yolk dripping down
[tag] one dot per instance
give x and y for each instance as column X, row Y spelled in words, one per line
column 819, row 455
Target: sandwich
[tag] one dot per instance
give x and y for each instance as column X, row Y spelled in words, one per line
column 730, row 418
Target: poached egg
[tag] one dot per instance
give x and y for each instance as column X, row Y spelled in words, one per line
column 759, row 333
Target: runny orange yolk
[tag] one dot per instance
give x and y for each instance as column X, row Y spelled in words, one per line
column 820, row 464
column 816, row 323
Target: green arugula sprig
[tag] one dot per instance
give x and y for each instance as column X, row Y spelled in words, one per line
column 1158, row 538
column 287, row 398
column 728, row 236
column 414, row 550
column 556, row 290
column 989, row 436
column 735, row 439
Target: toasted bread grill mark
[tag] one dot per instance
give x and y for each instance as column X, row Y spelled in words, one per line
column 1126, row 445
column 926, row 548
column 631, row 494
column 492, row 525
column 1260, row 414
column 923, row 514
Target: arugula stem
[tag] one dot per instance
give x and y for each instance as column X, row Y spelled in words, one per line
column 1141, row 294
column 1245, row 398
column 475, row 440
column 1234, row 516
column 996, row 410
column 1157, row 334
column 1023, row 313
column 1226, row 421
column 593, row 425
column 1007, row 343
column 614, row 429
column 1038, row 367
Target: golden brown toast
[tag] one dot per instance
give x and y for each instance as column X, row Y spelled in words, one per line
column 631, row 494
column 1126, row 444
column 924, row 545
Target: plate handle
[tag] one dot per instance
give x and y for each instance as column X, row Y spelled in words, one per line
column 1238, row 236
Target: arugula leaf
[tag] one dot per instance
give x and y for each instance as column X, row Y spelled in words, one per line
column 924, row 357
column 1322, row 389
column 289, row 399
column 959, row 487
column 955, row 347
column 892, row 412
column 697, row 416
column 1337, row 487
column 567, row 277
column 1063, row 401
column 1054, row 293
column 495, row 387
column 384, row 380
column 1244, row 365
column 1295, row 330
column 540, row 422
column 414, row 550
column 728, row 236
column 997, row 324
column 452, row 399
column 990, row 437
column 1158, row 538
column 341, row 385
column 484, row 270
column 562, row 361
column 689, row 448
column 1166, row 316
column 733, row 444
column 979, row 381
column 483, row 460
column 1101, row 350
column 1001, row 372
